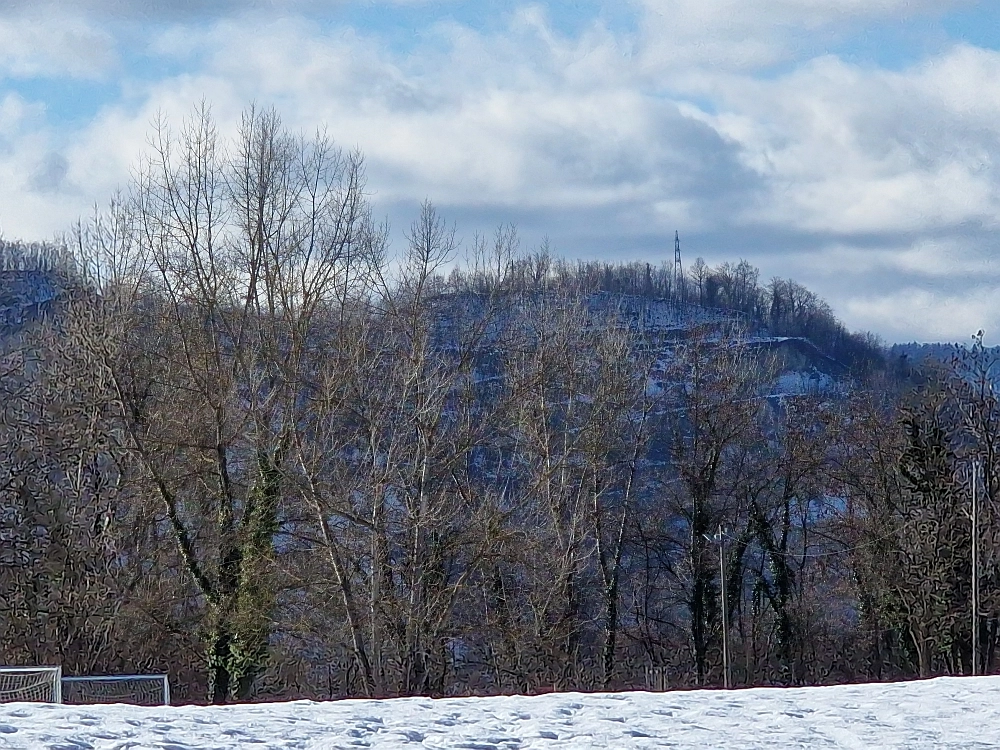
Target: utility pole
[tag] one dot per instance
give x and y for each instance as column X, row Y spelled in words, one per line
column 975, row 570
column 725, row 613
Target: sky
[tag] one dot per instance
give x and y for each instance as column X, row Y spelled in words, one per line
column 851, row 145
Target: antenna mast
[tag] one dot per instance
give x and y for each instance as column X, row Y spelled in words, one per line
column 678, row 285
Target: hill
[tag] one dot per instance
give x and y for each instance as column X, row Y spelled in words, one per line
column 782, row 316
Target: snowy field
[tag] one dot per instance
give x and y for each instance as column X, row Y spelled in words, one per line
column 942, row 713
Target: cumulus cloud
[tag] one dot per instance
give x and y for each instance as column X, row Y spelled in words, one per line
column 523, row 119
column 923, row 314
column 25, row 147
column 50, row 175
column 750, row 34
column 15, row 114
column 845, row 149
column 144, row 10
column 195, row 10
column 56, row 45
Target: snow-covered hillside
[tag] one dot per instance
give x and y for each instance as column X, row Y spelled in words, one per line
column 941, row 713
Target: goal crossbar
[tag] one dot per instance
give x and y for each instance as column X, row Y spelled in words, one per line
column 115, row 688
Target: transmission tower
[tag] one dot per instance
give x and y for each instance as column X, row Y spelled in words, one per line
column 678, row 280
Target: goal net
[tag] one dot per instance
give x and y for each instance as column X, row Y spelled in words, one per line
column 31, row 684
column 138, row 689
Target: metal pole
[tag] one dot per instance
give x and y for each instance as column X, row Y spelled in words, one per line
column 975, row 570
column 725, row 615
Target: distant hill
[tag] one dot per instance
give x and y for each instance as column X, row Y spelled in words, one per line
column 781, row 316
column 779, row 311
column 916, row 354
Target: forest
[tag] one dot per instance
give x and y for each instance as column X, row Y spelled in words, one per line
column 248, row 444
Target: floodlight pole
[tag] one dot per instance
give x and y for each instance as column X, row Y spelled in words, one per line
column 725, row 614
column 975, row 570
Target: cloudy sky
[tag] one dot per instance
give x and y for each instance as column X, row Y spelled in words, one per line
column 849, row 144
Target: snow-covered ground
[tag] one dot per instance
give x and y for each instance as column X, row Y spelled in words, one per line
column 942, row 713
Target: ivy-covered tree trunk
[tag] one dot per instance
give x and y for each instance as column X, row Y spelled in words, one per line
column 704, row 599
column 237, row 643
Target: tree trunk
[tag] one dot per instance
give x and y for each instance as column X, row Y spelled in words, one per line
column 219, row 676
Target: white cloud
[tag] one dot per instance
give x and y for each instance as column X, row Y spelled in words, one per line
column 845, row 149
column 922, row 314
column 55, row 45
column 750, row 34
column 24, row 147
column 475, row 118
column 144, row 9
column 15, row 114
column 804, row 13
column 195, row 10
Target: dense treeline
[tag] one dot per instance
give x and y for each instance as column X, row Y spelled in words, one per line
column 248, row 448
column 781, row 307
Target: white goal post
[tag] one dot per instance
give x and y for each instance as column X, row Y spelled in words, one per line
column 31, row 684
column 138, row 689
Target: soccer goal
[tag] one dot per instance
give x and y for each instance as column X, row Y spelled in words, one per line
column 31, row 684
column 138, row 689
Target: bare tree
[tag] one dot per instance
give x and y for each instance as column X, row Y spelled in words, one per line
column 716, row 389
column 58, row 488
column 395, row 462
column 213, row 273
